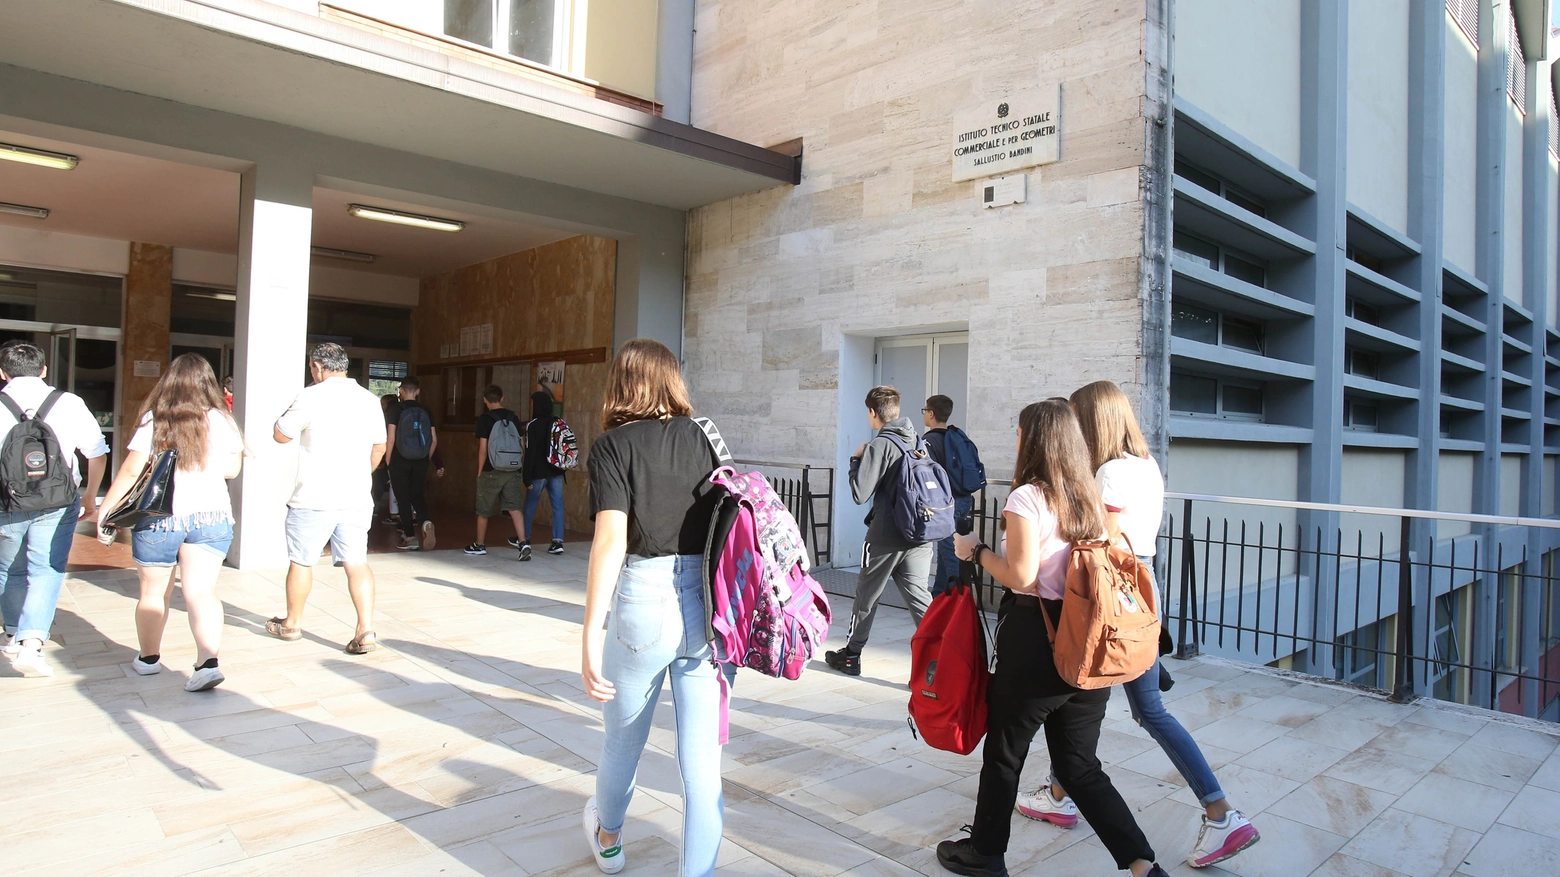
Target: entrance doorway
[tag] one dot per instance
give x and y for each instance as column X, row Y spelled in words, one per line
column 920, row 366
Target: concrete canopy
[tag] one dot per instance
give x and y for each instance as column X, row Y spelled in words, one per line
column 270, row 63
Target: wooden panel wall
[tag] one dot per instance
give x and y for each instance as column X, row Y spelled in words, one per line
column 543, row 301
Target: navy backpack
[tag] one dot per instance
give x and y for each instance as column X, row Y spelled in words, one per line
column 923, row 501
column 966, row 473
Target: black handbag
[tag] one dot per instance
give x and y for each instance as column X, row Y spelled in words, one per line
column 152, row 495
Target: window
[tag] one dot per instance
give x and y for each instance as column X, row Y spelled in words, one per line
column 1360, row 415
column 1516, row 66
column 1508, row 624
column 535, row 30
column 1210, row 255
column 1211, row 327
column 1353, row 307
column 1362, row 363
column 384, row 376
column 1202, row 396
column 1445, row 653
column 1466, row 14
column 1217, row 186
column 1360, row 257
column 1358, row 657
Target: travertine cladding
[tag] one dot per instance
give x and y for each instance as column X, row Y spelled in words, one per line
column 877, row 241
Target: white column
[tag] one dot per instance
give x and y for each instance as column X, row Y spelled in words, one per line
column 275, row 216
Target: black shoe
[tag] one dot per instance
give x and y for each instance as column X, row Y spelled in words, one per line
column 1157, row 871
column 555, row 548
column 845, row 661
column 525, row 551
column 959, row 856
column 514, row 542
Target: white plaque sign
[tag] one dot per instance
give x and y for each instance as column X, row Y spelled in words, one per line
column 1020, row 131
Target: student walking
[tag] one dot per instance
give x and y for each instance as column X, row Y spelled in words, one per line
column 1133, row 491
column 1053, row 504
column 36, row 536
column 413, row 442
column 874, row 470
column 186, row 414
column 936, row 414
column 341, row 434
column 650, row 499
column 499, row 458
column 540, row 474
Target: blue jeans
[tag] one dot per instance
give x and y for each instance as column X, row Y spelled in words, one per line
column 156, row 543
column 656, row 629
column 34, row 547
column 533, row 496
column 1148, row 710
column 947, row 566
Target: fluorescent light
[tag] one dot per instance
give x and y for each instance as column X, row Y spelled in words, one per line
column 40, row 157
column 350, row 255
column 218, row 296
column 24, row 210
column 416, row 220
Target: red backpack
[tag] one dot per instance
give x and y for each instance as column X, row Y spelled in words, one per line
column 948, row 673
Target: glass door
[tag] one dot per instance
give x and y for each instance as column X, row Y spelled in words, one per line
column 62, row 359
column 920, row 366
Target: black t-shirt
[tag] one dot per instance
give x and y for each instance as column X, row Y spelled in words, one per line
column 485, row 425
column 656, row 472
column 393, row 418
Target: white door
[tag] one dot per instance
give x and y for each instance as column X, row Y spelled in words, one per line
column 921, row 366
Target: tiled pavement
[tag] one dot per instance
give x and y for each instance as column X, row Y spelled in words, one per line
column 464, row 746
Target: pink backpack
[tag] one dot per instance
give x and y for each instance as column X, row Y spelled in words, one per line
column 763, row 610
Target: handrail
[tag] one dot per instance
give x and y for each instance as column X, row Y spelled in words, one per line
column 1504, row 520
column 781, row 465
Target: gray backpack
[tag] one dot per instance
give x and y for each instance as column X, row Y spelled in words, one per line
column 503, row 445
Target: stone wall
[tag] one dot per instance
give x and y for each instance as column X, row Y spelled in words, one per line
column 876, row 241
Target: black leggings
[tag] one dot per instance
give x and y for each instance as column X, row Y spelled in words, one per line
column 408, row 478
column 1026, row 693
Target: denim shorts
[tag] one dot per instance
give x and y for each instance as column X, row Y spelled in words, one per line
column 345, row 529
column 156, row 543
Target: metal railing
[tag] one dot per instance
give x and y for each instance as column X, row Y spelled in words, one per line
column 809, row 496
column 1323, row 589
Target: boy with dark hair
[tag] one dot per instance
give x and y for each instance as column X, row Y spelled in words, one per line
column 498, row 467
column 936, row 414
column 886, row 554
column 413, row 441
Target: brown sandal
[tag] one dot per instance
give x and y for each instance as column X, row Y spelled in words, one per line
column 274, row 628
column 358, row 647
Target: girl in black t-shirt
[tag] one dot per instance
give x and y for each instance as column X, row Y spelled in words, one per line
column 650, row 500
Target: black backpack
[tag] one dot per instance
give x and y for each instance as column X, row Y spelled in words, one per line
column 414, row 432
column 35, row 475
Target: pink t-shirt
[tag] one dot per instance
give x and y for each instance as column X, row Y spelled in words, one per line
column 1051, row 580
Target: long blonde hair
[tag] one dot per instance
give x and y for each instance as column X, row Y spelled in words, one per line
column 644, row 383
column 1108, row 424
column 1053, row 457
column 180, row 406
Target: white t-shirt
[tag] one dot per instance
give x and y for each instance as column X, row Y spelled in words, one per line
column 202, row 491
column 1051, row 581
column 336, row 423
column 1133, row 487
column 75, row 426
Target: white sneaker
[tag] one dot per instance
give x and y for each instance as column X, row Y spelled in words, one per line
column 1217, row 841
column 11, row 646
column 609, row 860
column 144, row 668
column 1045, row 808
column 428, row 540
column 202, row 680
column 29, row 661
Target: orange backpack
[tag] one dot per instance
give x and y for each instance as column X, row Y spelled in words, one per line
column 1109, row 628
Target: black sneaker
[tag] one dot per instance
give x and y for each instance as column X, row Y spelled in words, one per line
column 845, row 661
column 476, row 549
column 1157, row 871
column 514, row 541
column 959, row 856
column 525, row 551
column 555, row 548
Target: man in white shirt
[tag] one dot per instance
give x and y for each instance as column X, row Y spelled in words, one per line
column 341, row 430
column 28, row 602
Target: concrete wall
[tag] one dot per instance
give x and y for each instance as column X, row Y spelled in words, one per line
column 1454, row 491
column 877, row 241
column 1552, row 187
column 1371, row 477
column 1460, row 206
column 1240, row 62
column 1513, row 204
column 1378, row 109
column 1510, row 484
column 620, row 45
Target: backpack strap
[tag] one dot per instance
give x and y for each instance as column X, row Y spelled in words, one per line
column 15, row 409
column 718, row 444
column 48, row 404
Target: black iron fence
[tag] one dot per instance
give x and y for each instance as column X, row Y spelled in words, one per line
column 809, row 495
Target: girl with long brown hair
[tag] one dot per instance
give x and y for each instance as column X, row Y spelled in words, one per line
column 1053, row 504
column 651, row 501
column 1133, row 491
column 185, row 413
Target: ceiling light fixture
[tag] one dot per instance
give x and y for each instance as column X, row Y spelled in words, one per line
column 24, row 210
column 349, row 255
column 416, row 220
column 40, row 157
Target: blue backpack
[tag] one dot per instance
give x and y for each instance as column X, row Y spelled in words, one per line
column 966, row 473
column 923, row 501
column 414, row 432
